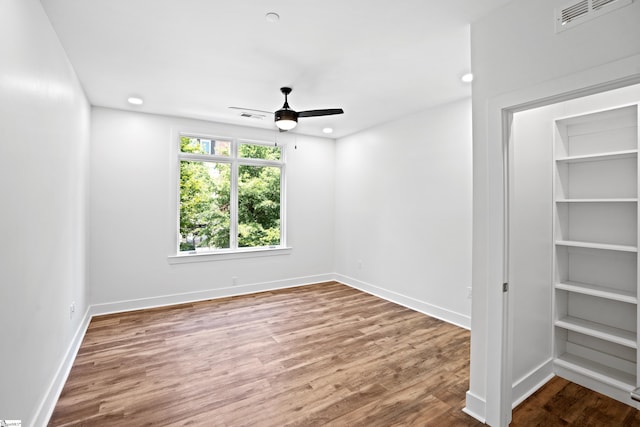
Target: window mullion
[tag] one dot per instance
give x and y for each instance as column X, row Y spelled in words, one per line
column 233, row 229
column 203, row 158
column 283, row 208
column 260, row 162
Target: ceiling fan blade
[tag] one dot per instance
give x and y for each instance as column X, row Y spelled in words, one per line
column 326, row 112
column 251, row 109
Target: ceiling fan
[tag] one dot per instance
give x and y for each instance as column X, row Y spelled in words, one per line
column 286, row 118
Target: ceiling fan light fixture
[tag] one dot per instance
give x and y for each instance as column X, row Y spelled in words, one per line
column 286, row 119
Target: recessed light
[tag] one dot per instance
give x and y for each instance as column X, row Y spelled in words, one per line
column 467, row 78
column 327, row 130
column 134, row 100
column 272, row 17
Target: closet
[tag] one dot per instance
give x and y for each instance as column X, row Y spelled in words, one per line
column 595, row 232
column 573, row 233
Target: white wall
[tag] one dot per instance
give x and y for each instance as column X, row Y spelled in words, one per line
column 133, row 214
column 531, row 247
column 403, row 211
column 517, row 56
column 44, row 137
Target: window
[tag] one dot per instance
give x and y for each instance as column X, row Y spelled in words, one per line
column 231, row 196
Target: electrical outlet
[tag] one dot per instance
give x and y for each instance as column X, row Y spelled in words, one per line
column 234, row 281
column 469, row 293
column 359, row 264
column 72, row 309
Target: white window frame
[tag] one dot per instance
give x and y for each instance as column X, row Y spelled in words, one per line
column 235, row 161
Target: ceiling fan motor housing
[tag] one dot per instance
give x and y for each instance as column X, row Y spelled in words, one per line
column 286, row 114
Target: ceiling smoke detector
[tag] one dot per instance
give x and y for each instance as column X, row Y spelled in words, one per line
column 272, row 17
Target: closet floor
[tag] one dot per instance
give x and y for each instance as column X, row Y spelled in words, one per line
column 563, row 403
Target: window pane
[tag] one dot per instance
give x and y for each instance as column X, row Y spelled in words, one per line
column 257, row 151
column 258, row 206
column 204, row 205
column 205, row 146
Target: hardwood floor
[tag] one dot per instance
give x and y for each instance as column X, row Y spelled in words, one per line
column 324, row 354
column 317, row 355
column 563, row 403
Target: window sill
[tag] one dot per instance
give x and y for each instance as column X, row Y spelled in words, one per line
column 227, row 255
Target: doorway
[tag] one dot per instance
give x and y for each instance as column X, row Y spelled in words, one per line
column 529, row 226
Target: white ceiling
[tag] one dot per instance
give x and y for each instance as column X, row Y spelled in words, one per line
column 376, row 59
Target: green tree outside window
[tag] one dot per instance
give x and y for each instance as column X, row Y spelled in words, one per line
column 205, row 197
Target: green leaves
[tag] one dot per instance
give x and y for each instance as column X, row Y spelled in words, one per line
column 255, row 151
column 204, row 205
column 205, row 199
column 258, row 206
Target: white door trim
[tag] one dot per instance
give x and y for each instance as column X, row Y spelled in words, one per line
column 614, row 75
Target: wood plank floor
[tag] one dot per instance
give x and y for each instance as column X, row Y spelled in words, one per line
column 324, row 354
column 563, row 403
column 317, row 355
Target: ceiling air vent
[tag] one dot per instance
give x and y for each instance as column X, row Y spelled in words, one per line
column 575, row 11
column 252, row 115
column 581, row 11
column 599, row 3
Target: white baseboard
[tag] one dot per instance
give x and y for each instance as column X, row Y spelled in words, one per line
column 602, row 387
column 530, row 383
column 48, row 403
column 45, row 410
column 152, row 302
column 521, row 390
column 421, row 306
column 475, row 406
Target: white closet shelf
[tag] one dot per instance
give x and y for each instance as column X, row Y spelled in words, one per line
column 597, row 371
column 595, row 207
column 598, row 330
column 598, row 291
column 601, row 200
column 613, row 155
column 591, row 245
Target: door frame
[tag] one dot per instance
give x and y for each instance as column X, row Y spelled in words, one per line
column 614, row 75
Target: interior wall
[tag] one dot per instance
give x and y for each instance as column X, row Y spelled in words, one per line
column 516, row 50
column 531, row 245
column 44, row 144
column 403, row 211
column 133, row 207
